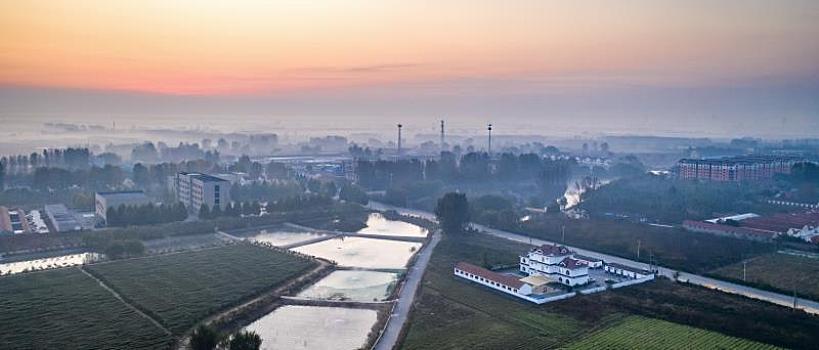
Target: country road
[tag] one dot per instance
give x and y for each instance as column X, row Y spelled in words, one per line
column 809, row 306
column 400, row 313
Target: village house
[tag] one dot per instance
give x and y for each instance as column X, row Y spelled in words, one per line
column 556, row 263
column 547, row 272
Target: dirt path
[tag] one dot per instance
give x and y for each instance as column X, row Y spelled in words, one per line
column 132, row 307
column 267, row 299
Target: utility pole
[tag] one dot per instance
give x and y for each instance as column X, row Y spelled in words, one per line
column 442, row 135
column 638, row 249
column 563, row 230
column 489, row 144
column 399, row 140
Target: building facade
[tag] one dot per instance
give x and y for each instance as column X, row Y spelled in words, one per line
column 196, row 189
column 106, row 200
column 736, row 169
column 556, row 263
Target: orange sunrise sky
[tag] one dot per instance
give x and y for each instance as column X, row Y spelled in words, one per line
column 266, row 47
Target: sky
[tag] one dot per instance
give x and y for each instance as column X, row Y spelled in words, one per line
column 678, row 66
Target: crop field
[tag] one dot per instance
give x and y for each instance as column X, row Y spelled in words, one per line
column 646, row 333
column 778, row 271
column 47, row 310
column 181, row 289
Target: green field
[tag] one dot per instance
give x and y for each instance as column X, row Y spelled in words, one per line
column 450, row 313
column 180, row 290
column 650, row 334
column 778, row 271
column 454, row 314
column 48, row 310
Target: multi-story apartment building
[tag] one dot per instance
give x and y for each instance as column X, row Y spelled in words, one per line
column 736, row 169
column 556, row 263
column 196, row 189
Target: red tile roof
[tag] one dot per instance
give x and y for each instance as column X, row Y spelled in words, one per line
column 509, row 281
column 727, row 229
column 572, row 264
column 782, row 222
column 553, row 250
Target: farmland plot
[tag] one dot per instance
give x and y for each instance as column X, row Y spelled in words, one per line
column 647, row 333
column 182, row 289
column 780, row 272
column 52, row 309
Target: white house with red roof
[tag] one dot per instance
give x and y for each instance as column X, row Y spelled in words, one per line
column 532, row 288
column 556, row 263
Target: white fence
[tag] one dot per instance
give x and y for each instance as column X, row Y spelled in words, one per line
column 632, row 282
column 549, row 299
column 593, row 290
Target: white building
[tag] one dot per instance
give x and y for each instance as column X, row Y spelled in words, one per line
column 627, row 271
column 592, row 263
column 195, row 189
column 529, row 288
column 106, row 200
column 556, row 263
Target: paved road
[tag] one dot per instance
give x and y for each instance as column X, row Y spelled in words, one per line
column 728, row 287
column 401, row 310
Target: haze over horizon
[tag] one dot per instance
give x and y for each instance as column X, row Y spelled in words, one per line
column 730, row 68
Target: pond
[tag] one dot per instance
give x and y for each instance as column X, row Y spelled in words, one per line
column 283, row 237
column 363, row 252
column 314, row 327
column 48, row 263
column 353, row 285
column 377, row 224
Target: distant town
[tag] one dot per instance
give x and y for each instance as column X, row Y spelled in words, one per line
column 384, row 233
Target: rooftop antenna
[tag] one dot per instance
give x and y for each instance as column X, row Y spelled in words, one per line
column 489, row 148
column 399, row 139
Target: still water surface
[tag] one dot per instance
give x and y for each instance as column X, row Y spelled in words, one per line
column 352, row 285
column 283, row 238
column 314, row 327
column 377, row 224
column 363, row 252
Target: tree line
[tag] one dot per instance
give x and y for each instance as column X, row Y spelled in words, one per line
column 147, row 214
column 71, row 158
column 234, row 209
column 474, row 167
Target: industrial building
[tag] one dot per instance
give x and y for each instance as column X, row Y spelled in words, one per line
column 196, row 189
column 13, row 221
column 105, row 200
column 62, row 219
column 804, row 226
